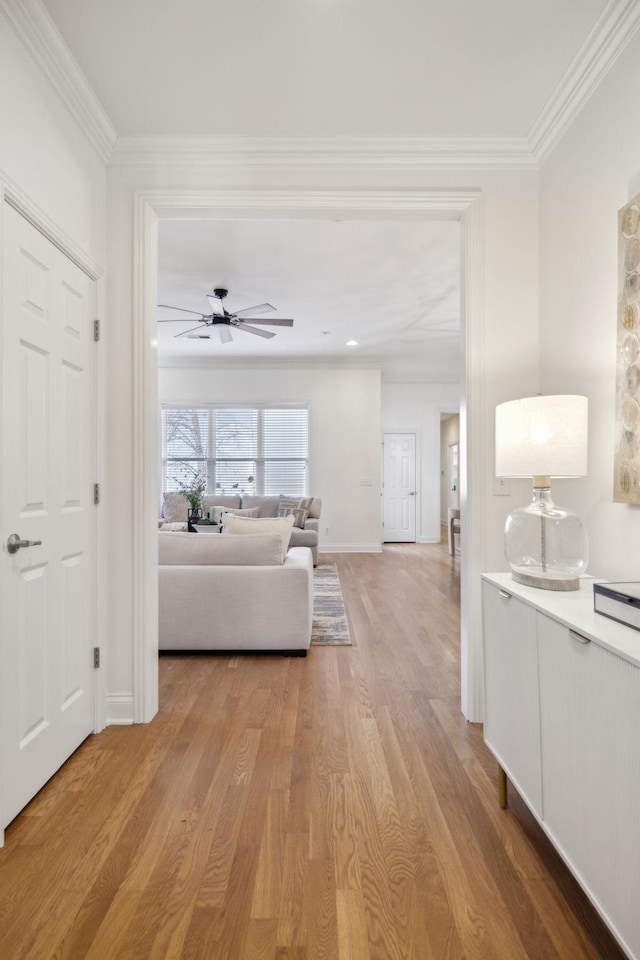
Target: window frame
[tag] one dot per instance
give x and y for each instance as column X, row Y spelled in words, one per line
column 210, row 462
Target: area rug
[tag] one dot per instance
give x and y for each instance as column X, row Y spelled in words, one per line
column 330, row 626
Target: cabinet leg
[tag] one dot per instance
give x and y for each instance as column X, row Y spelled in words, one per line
column 502, row 787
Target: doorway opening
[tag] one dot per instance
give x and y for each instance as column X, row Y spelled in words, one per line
column 463, row 205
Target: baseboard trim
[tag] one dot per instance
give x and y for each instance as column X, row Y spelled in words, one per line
column 351, row 548
column 119, row 709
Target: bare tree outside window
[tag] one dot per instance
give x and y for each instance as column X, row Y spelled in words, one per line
column 186, row 441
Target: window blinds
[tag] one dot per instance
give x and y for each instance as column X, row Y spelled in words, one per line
column 262, row 450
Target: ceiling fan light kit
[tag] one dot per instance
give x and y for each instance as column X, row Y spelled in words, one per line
column 226, row 320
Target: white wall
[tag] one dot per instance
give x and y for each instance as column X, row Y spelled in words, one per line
column 415, row 408
column 45, row 153
column 588, row 178
column 344, row 432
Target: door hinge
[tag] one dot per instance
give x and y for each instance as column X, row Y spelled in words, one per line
column 96, row 330
column 96, row 493
column 96, row 657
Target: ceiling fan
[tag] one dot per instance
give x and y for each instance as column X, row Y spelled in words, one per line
column 225, row 320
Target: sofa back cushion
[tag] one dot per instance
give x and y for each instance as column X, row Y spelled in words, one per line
column 213, row 549
column 281, row 526
column 267, row 506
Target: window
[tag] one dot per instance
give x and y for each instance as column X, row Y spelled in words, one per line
column 262, row 450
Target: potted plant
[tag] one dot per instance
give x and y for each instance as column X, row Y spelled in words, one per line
column 193, row 491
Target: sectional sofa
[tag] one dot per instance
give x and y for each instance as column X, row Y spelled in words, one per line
column 231, row 592
column 174, row 510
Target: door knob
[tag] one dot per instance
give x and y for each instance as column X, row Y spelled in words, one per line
column 14, row 543
column 412, row 493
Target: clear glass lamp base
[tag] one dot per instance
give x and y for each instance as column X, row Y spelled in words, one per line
column 546, row 545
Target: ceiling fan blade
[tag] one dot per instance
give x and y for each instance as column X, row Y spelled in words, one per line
column 216, row 305
column 260, row 333
column 273, row 322
column 180, row 320
column 190, row 330
column 260, row 308
column 225, row 333
column 165, row 306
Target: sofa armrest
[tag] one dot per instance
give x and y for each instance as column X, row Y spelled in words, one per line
column 311, row 523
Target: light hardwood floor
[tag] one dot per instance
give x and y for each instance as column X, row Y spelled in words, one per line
column 336, row 807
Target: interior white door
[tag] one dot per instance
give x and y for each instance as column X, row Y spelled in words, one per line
column 399, row 491
column 48, row 590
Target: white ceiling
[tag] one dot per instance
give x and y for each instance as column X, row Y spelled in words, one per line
column 324, row 68
column 384, row 68
column 392, row 286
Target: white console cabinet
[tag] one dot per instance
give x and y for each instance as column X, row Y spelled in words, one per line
column 562, row 717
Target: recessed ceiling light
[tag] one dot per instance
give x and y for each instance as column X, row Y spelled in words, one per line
column 352, row 343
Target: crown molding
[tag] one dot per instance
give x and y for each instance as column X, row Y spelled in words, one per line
column 325, row 152
column 38, row 34
column 609, row 35
column 265, row 363
column 417, row 380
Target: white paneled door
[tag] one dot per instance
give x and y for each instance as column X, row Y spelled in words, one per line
column 48, row 589
column 399, row 492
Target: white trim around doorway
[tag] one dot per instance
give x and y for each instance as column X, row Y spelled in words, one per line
column 464, row 205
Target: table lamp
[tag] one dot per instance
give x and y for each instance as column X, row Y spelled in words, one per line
column 543, row 437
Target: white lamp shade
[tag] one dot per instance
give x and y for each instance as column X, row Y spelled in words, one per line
column 542, row 436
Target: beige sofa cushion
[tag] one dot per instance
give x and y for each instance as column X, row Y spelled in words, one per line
column 252, row 525
column 267, row 505
column 214, row 549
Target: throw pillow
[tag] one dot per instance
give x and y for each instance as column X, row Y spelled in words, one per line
column 304, row 503
column 173, row 527
column 299, row 515
column 174, row 507
column 279, row 525
column 237, row 512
